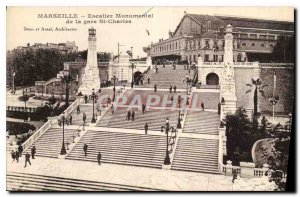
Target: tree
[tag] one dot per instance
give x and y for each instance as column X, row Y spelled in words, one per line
column 258, row 89
column 241, row 134
column 52, row 107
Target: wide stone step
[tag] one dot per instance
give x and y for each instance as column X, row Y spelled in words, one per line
column 41, row 182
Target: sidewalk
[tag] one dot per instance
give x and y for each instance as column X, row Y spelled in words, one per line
column 122, row 174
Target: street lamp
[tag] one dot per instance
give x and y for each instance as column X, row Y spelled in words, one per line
column 93, row 97
column 13, row 83
column 290, row 121
column 66, row 78
column 273, row 99
column 179, row 120
column 132, row 66
column 61, row 122
column 107, row 78
column 188, row 81
column 168, row 128
column 25, row 98
column 114, row 89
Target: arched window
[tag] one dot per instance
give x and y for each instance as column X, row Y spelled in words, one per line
column 271, row 45
column 253, row 45
column 244, row 44
column 262, row 45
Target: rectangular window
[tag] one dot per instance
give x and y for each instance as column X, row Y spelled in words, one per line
column 215, row 58
column 206, row 57
column 253, row 36
column 271, row 37
column 243, row 35
column 262, row 37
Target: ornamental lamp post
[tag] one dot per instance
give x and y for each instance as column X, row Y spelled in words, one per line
column 114, row 89
column 168, row 128
column 132, row 66
column 25, row 99
column 93, row 97
column 67, row 79
column 107, row 71
column 273, row 99
column 179, row 120
column 188, row 81
column 13, row 82
column 61, row 122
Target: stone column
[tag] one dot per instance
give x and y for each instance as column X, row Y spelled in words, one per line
column 227, row 80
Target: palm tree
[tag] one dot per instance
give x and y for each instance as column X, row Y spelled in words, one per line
column 258, row 89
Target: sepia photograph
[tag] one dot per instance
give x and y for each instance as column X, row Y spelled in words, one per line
column 150, row 99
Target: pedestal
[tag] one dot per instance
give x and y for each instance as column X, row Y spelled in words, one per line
column 149, row 62
column 247, row 169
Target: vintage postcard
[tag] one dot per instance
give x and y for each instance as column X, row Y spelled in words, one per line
column 149, row 98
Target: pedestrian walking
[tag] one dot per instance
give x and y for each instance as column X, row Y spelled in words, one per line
column 84, row 117
column 78, row 109
column 85, row 148
column 170, row 88
column 128, row 115
column 155, row 87
column 189, row 71
column 13, row 155
column 148, row 79
column 132, row 115
column 17, row 156
column 146, row 128
column 143, row 108
column 202, row 106
column 99, row 158
column 156, row 69
column 174, row 88
column 70, row 118
column 234, row 175
column 27, row 159
column 33, row 151
column 20, row 149
column 219, row 108
column 85, row 98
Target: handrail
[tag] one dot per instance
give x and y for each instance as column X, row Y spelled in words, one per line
column 36, row 135
column 72, row 137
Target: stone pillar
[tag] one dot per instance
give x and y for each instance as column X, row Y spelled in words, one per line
column 201, row 77
column 227, row 80
column 91, row 78
column 247, row 169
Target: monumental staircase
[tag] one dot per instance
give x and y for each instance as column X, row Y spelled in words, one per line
column 154, row 117
column 167, row 76
column 201, row 122
column 50, row 143
column 121, row 148
column 16, row 181
column 196, row 155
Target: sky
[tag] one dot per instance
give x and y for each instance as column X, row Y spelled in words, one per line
column 108, row 35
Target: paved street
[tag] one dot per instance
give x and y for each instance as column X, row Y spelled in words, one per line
column 121, row 174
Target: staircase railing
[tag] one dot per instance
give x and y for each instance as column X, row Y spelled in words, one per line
column 71, row 139
column 36, row 135
column 47, row 126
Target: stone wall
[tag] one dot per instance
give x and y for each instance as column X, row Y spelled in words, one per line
column 285, row 88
